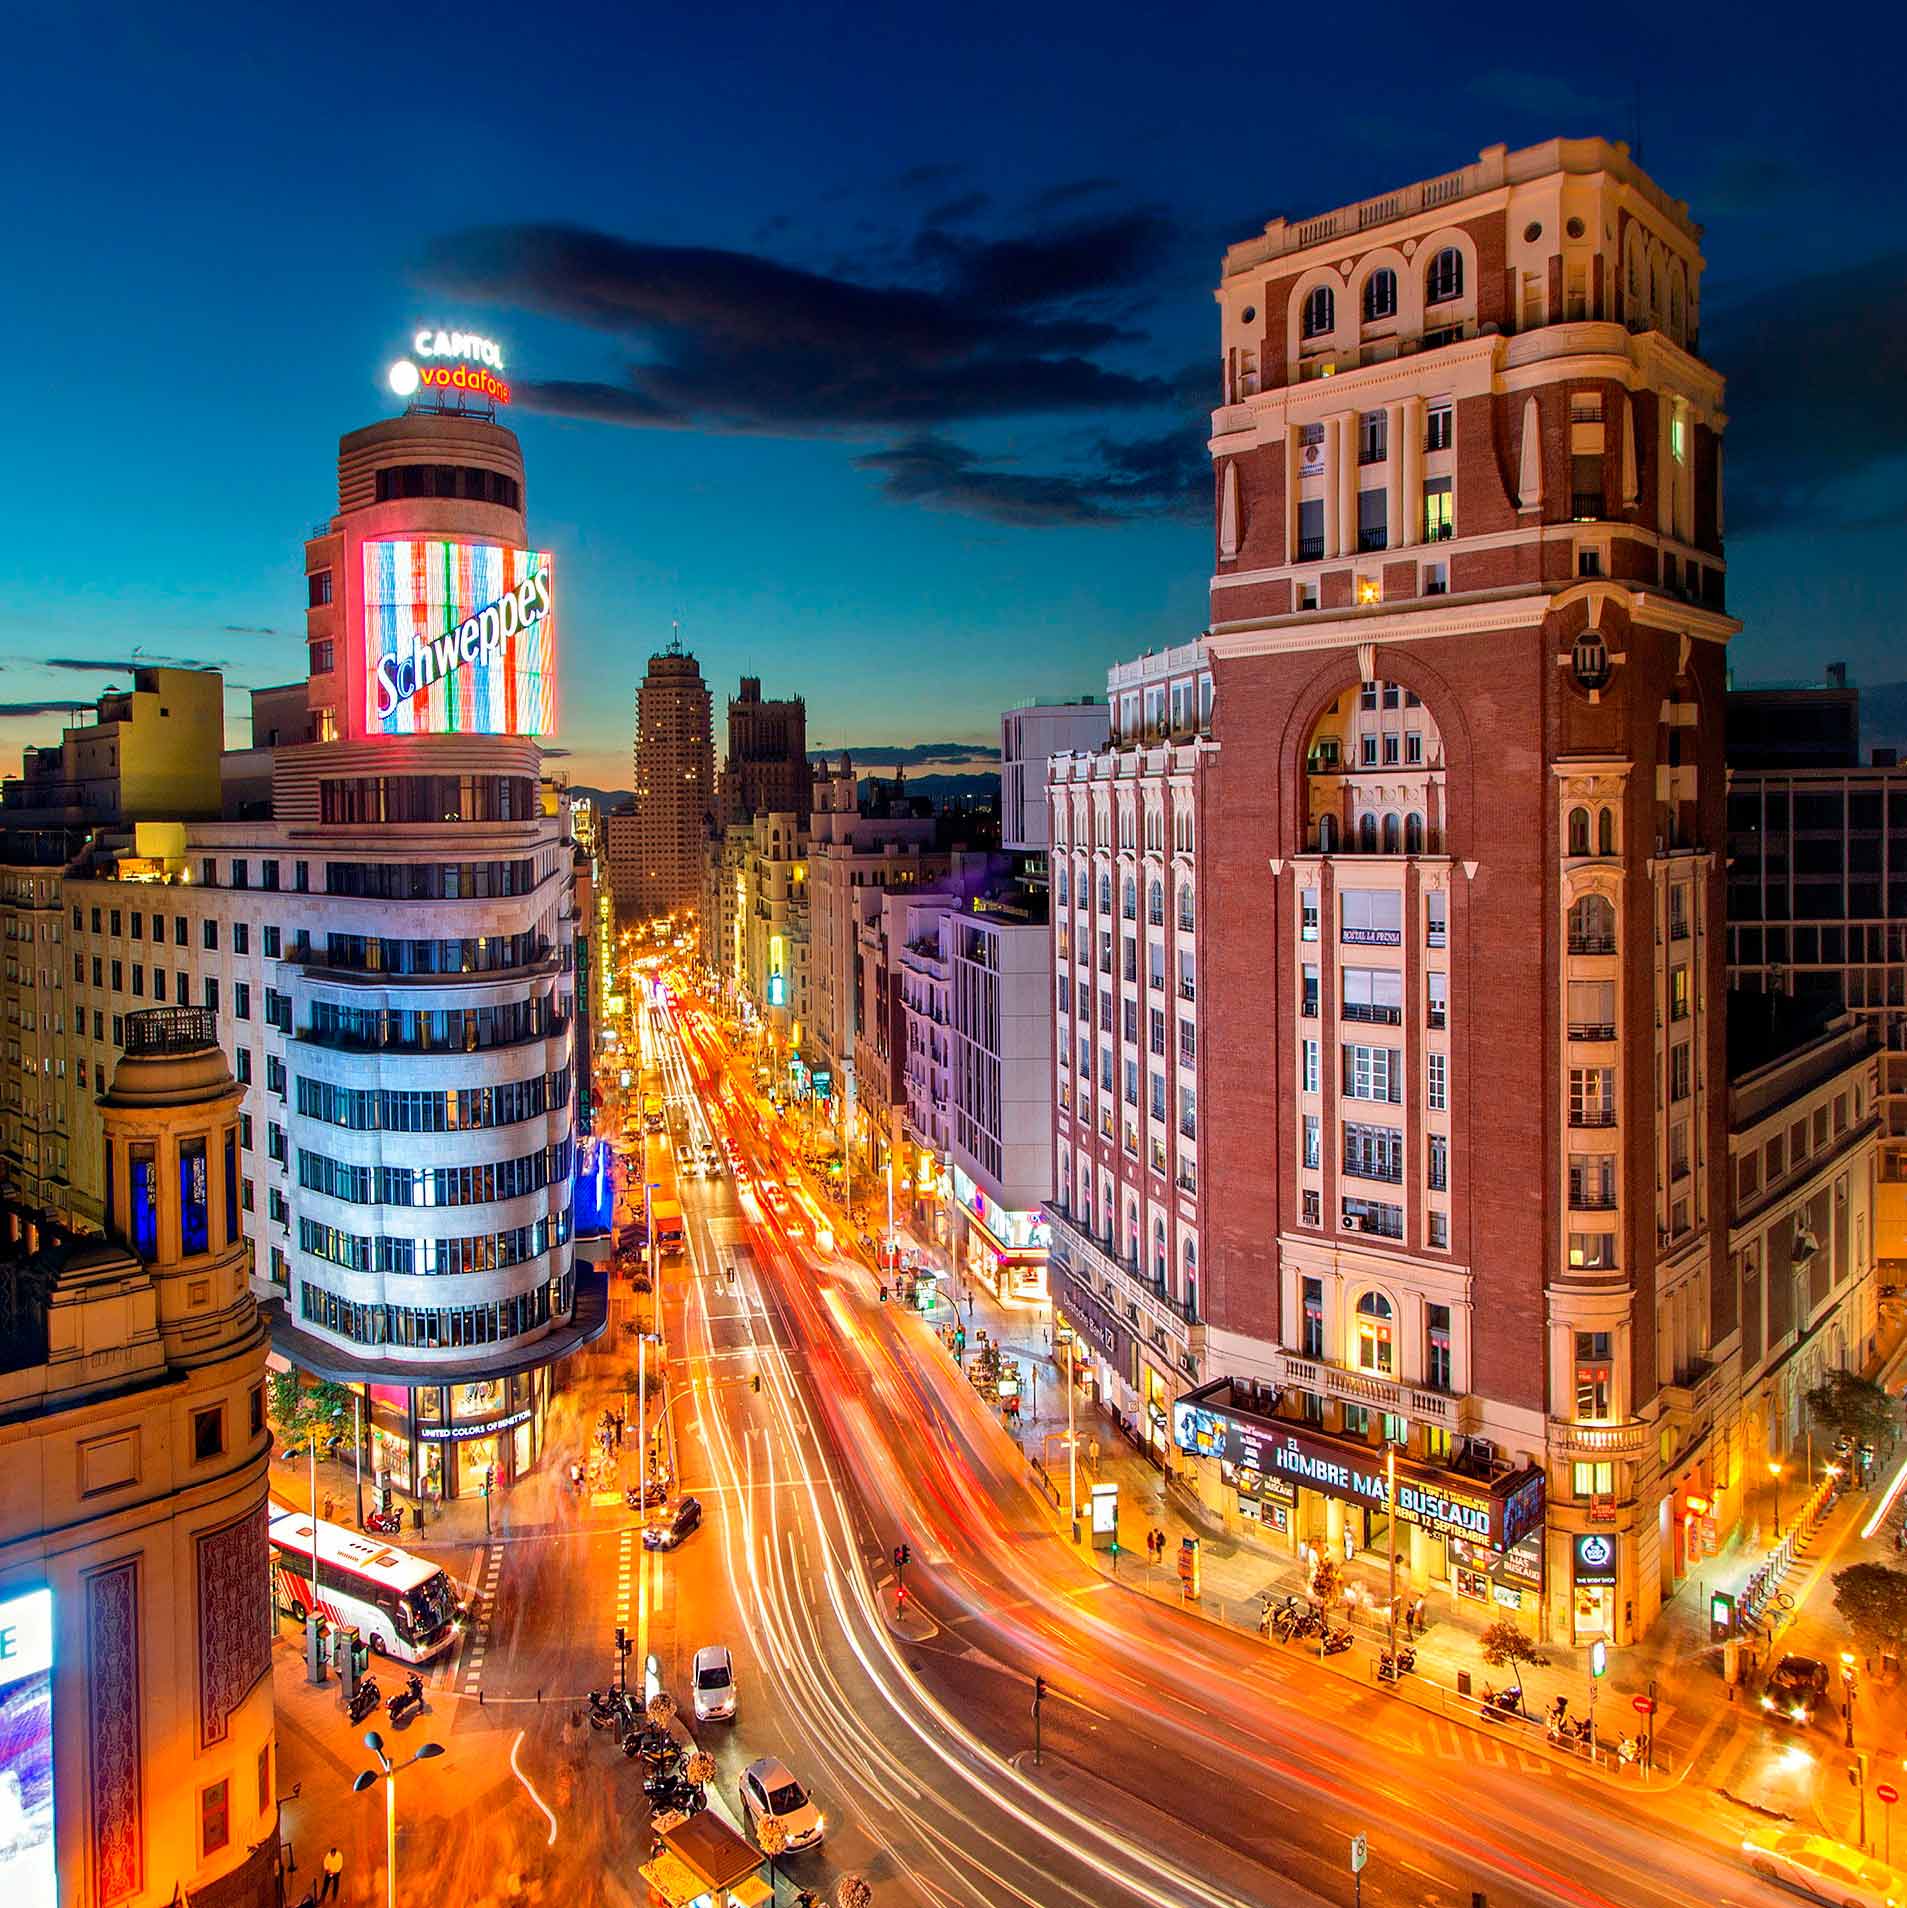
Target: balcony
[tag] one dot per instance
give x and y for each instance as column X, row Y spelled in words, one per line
column 1369, row 1389
column 1310, row 550
column 1380, row 1016
column 1164, row 1320
column 1591, row 1199
column 1187, row 990
column 1372, row 542
column 1356, row 1168
column 1592, row 1030
column 1592, row 943
column 1615, row 1443
column 1592, row 1116
column 1585, row 506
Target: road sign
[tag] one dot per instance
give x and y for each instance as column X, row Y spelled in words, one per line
column 1642, row 1705
column 1887, row 1792
column 1360, row 1854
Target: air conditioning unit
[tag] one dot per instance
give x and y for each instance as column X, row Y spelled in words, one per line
column 1349, row 1224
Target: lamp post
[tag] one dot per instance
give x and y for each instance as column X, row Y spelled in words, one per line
column 357, row 1447
column 388, row 1771
column 642, row 1418
column 1390, row 1536
column 1774, row 1472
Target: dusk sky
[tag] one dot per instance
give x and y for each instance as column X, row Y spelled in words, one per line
column 877, row 346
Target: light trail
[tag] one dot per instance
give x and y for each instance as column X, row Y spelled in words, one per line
column 529, row 1788
column 1887, row 1502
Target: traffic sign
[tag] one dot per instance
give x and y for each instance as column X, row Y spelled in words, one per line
column 1887, row 1792
column 1360, row 1854
column 1642, row 1705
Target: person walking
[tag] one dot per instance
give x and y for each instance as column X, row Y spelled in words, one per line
column 333, row 1873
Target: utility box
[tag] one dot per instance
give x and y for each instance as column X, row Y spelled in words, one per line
column 1189, row 1578
column 314, row 1647
column 344, row 1657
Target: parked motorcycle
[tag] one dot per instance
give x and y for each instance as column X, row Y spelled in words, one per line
column 366, row 1699
column 384, row 1523
column 606, row 1708
column 1498, row 1705
column 408, row 1702
column 1395, row 1663
column 1336, row 1641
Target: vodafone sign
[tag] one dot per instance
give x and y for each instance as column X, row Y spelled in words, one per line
column 458, row 361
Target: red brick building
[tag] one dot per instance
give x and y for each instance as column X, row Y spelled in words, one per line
column 1459, row 889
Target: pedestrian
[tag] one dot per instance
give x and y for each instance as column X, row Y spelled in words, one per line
column 333, row 1873
column 1092, row 1452
column 1419, row 1623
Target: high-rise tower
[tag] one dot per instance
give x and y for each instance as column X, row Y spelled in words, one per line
column 1460, row 866
column 766, row 771
column 656, row 854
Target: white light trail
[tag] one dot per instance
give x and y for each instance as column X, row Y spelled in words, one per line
column 530, row 1789
column 1887, row 1501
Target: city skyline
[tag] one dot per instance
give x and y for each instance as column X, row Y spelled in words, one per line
column 1007, row 454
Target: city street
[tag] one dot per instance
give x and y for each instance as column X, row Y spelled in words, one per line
column 1180, row 1760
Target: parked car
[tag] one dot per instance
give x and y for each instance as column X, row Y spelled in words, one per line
column 714, row 1677
column 1830, row 1871
column 687, row 1517
column 771, row 1793
column 1795, row 1689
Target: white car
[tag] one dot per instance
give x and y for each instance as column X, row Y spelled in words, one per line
column 1831, row 1871
column 771, row 1793
column 714, row 1677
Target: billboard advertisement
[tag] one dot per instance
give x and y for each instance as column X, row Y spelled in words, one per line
column 459, row 639
column 27, row 1877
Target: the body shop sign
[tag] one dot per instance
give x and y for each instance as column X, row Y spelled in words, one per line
column 27, row 1874
column 1433, row 1499
column 459, row 639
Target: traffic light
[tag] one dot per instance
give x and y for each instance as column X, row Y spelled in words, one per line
column 1039, row 1691
column 902, row 1556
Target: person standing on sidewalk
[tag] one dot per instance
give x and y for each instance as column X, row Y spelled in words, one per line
column 333, row 1873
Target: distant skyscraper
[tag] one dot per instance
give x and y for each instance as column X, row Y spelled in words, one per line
column 656, row 857
column 767, row 771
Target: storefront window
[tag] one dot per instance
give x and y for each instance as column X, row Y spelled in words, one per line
column 1374, row 1333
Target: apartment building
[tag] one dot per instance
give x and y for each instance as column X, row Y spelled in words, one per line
column 1126, row 1217
column 1029, row 735
column 1459, row 868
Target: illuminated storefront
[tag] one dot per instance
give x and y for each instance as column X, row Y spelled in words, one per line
column 1003, row 1250
column 437, row 1442
column 1480, row 1537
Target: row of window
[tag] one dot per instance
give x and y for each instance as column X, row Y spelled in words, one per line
column 430, row 880
column 434, row 1029
column 470, row 483
column 1086, row 828
column 428, row 1258
column 435, row 1185
column 455, row 1110
column 1443, row 281
column 479, row 954
column 1374, row 1322
column 372, row 800
column 1129, row 899
column 436, row 1328
column 1374, row 1073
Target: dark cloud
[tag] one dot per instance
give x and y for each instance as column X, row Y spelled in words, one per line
column 114, row 665
column 906, row 754
column 39, row 708
column 1069, row 192
column 932, row 176
column 729, row 340
column 1163, row 476
column 969, row 205
column 1810, row 430
column 249, row 629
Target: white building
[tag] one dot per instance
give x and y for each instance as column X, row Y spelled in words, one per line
column 1028, row 737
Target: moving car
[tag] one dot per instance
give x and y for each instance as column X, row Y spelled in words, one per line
column 687, row 1517
column 771, row 1793
column 1795, row 1689
column 1831, row 1871
column 714, row 1677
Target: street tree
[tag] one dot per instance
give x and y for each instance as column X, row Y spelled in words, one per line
column 1846, row 1405
column 1506, row 1646
column 852, row 1891
column 1326, row 1582
column 660, row 1709
column 1873, row 1600
column 699, row 1768
column 287, row 1401
column 329, row 1403
column 771, row 1837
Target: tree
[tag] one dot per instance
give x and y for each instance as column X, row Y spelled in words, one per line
column 1326, row 1581
column 771, row 1838
column 1846, row 1405
column 661, row 1709
column 287, row 1401
column 852, row 1891
column 1506, row 1646
column 329, row 1402
column 1873, row 1599
column 699, row 1768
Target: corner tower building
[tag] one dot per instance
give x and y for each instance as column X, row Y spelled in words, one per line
column 1460, row 890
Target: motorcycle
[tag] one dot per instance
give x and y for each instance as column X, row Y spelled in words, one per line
column 1500, row 1705
column 1336, row 1641
column 384, row 1523
column 408, row 1702
column 366, row 1700
column 1395, row 1663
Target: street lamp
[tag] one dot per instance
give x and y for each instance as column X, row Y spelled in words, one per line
column 1847, row 1694
column 649, row 1189
column 388, row 1771
column 1774, row 1471
column 1390, row 1535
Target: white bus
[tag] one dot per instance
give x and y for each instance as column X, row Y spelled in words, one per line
column 403, row 1606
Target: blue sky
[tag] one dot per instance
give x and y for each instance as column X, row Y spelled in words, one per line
column 875, row 345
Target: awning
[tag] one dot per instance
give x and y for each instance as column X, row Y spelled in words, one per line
column 672, row 1879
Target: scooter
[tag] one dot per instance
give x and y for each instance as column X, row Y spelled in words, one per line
column 408, row 1702
column 384, row 1523
column 366, row 1700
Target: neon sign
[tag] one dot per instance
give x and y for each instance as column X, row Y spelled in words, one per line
column 480, row 358
column 459, row 638
column 27, row 1868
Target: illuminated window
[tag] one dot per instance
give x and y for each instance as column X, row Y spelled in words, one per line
column 1374, row 1333
column 1593, row 1378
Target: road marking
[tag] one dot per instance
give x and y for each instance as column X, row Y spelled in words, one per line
column 486, row 1603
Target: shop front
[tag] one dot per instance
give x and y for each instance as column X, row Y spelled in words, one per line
column 440, row 1442
column 1004, row 1250
column 1479, row 1537
column 1103, row 1353
column 1594, row 1574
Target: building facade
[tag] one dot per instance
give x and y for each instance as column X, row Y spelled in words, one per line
column 391, row 960
column 1028, row 737
column 766, row 770
column 137, row 1687
column 1459, row 875
column 655, row 849
column 1126, row 1215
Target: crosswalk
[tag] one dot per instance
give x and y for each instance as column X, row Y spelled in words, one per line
column 485, row 1603
column 625, row 1575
